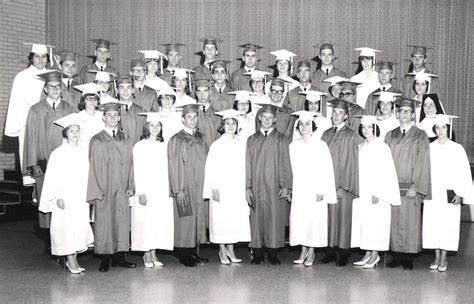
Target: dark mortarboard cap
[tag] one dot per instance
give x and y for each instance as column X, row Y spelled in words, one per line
column 137, row 62
column 385, row 65
column 348, row 86
column 124, row 79
column 250, row 47
column 419, row 49
column 220, row 64
column 279, row 82
column 407, row 103
column 51, row 75
column 304, row 64
column 110, row 106
column 340, row 104
column 172, row 47
column 188, row 108
column 210, row 40
column 199, row 83
column 66, row 55
column 325, row 46
column 102, row 43
column 268, row 108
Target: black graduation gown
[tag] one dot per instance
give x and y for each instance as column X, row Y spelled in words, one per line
column 221, row 100
column 284, row 122
column 147, row 99
column 208, row 124
column 131, row 123
column 240, row 81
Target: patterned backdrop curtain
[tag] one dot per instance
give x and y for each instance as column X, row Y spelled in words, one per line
column 387, row 25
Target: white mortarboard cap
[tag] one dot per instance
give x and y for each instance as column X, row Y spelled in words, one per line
column 304, row 115
column 166, row 90
column 242, row 95
column 182, row 73
column 424, row 76
column 367, row 52
column 335, row 80
column 88, row 88
column 388, row 96
column 368, row 120
column 152, row 116
column 42, row 49
column 187, row 102
column 283, row 55
column 255, row 74
column 152, row 54
column 103, row 76
column 444, row 119
column 312, row 95
column 230, row 113
column 69, row 120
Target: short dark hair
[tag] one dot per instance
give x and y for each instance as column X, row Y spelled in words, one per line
column 82, row 102
column 313, row 124
column 427, row 86
column 375, row 130
column 160, row 98
column 146, row 132
column 31, row 55
column 359, row 63
column 221, row 129
column 306, row 105
column 448, row 128
column 235, row 106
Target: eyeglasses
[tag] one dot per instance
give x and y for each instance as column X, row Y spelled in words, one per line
column 244, row 103
column 91, row 98
column 345, row 94
column 277, row 92
column 406, row 111
column 257, row 81
column 53, row 87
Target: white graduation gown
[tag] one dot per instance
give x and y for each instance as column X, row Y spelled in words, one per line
column 450, row 170
column 367, row 86
column 246, row 126
column 66, row 178
column 225, row 171
column 322, row 124
column 90, row 126
column 172, row 124
column 185, row 99
column 156, row 83
column 387, row 125
column 153, row 224
column 377, row 177
column 427, row 125
column 26, row 91
column 313, row 174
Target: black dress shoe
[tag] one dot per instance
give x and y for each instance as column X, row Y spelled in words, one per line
column 187, row 261
column 104, row 265
column 328, row 258
column 395, row 262
column 407, row 265
column 274, row 260
column 256, row 260
column 343, row 260
column 199, row 260
column 123, row 263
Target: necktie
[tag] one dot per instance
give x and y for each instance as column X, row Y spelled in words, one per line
column 102, row 68
column 327, row 71
column 68, row 84
column 266, row 133
column 304, row 89
column 335, row 129
column 54, row 106
column 403, row 132
column 210, row 66
column 220, row 91
column 383, row 89
column 113, row 133
column 140, row 90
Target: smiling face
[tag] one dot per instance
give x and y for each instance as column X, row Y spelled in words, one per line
column 385, row 76
column 173, row 59
column 152, row 66
column 102, row 54
column 53, row 90
column 429, row 107
column 210, row 52
column 276, row 93
column 154, row 127
column 267, row 120
column 39, row 61
column 190, row 120
column 230, row 126
column 421, row 87
column 385, row 107
column 305, row 127
column 73, row 134
column 338, row 116
column 219, row 75
column 367, row 63
column 326, row 56
column 313, row 106
column 258, row 85
column 111, row 119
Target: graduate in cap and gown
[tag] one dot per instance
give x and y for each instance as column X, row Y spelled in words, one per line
column 342, row 142
column 220, row 88
column 421, row 87
column 187, row 152
column 418, row 62
column 387, row 120
column 385, row 75
column 152, row 210
column 313, row 189
column 224, row 187
column 110, row 185
column 169, row 118
column 154, row 68
column 101, row 60
column 246, row 117
column 349, row 94
column 240, row 79
column 378, row 191
column 334, row 86
column 173, row 60
column 283, row 70
column 258, row 81
column 365, row 75
column 130, row 122
column 430, row 107
column 326, row 69
column 411, row 154
column 452, row 186
column 143, row 95
column 42, row 135
column 208, row 121
column 26, row 90
column 295, row 99
column 107, row 84
column 67, row 65
column 268, row 182
column 182, row 83
column 210, row 53
column 64, row 195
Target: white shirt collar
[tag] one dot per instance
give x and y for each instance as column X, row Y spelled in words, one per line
column 263, row 131
column 323, row 68
column 406, row 128
column 248, row 69
column 98, row 65
column 386, row 86
column 189, row 130
column 109, row 131
column 50, row 102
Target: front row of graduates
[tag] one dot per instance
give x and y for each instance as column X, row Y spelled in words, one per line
column 345, row 192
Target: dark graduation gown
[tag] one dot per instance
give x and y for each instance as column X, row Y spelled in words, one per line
column 343, row 146
column 186, row 162
column 240, row 81
column 406, row 85
column 42, row 136
column 86, row 77
column 167, row 75
column 202, row 71
column 284, row 122
column 221, row 101
column 268, row 169
column 71, row 95
column 296, row 100
column 110, row 176
column 208, row 123
column 411, row 154
column 319, row 76
column 371, row 105
column 131, row 123
column 147, row 99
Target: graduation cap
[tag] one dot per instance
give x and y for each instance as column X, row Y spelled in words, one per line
column 335, row 80
column 267, row 108
column 324, row 45
column 220, row 64
column 66, row 55
column 230, row 113
column 387, row 96
column 339, row 103
column 51, row 75
column 284, row 55
column 103, row 76
column 256, row 74
column 313, row 95
column 279, row 82
column 88, row 88
column 187, row 107
column 102, row 43
column 41, row 49
column 199, row 83
column 152, row 116
column 210, row 40
column 166, row 90
column 348, row 85
column 250, row 47
column 170, row 47
column 385, row 65
column 423, row 76
column 137, row 62
column 110, row 106
column 242, row 95
column 73, row 119
column 419, row 49
column 444, row 119
column 304, row 115
column 368, row 119
column 405, row 102
column 367, row 52
column 124, row 79
column 154, row 55
column 303, row 64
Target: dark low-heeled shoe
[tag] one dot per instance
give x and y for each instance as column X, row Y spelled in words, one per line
column 104, row 265
column 200, row 260
column 188, row 261
column 343, row 261
column 328, row 258
column 394, row 263
column 274, row 260
column 124, row 264
column 408, row 265
column 256, row 260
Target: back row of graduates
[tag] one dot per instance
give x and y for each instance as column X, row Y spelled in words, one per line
column 270, row 175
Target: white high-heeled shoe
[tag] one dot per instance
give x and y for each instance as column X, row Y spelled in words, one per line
column 301, row 261
column 434, row 266
column 372, row 265
column 361, row 262
column 308, row 263
column 147, row 265
column 443, row 268
column 223, row 262
column 73, row 271
column 233, row 260
column 156, row 263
